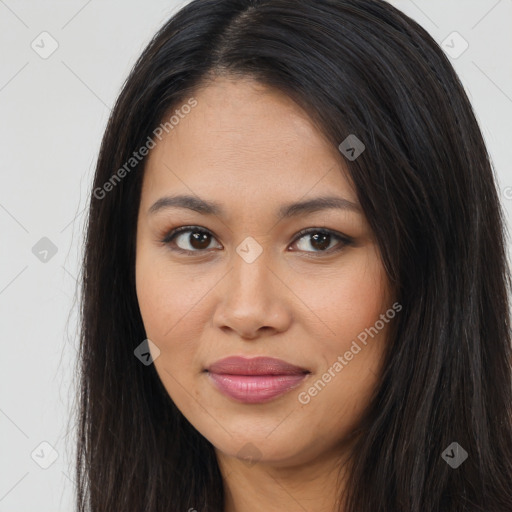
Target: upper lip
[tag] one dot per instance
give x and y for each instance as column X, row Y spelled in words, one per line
column 236, row 365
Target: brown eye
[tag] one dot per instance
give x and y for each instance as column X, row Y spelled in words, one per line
column 321, row 241
column 192, row 239
column 189, row 239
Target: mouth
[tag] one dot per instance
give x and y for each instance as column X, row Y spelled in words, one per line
column 255, row 380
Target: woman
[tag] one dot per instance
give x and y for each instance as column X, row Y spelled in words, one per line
column 295, row 289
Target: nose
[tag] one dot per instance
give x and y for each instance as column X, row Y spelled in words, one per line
column 254, row 300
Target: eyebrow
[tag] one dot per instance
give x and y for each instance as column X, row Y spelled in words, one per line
column 288, row 210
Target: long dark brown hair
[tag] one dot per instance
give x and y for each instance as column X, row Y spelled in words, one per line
column 428, row 190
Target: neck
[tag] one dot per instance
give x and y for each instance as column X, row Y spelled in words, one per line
column 294, row 485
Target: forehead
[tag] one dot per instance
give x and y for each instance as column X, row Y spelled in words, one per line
column 245, row 138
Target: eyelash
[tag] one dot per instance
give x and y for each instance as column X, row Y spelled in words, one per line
column 343, row 239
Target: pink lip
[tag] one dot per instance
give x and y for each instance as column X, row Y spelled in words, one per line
column 255, row 380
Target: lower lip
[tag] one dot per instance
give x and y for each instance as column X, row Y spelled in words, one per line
column 253, row 389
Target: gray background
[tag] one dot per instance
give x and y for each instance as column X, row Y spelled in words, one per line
column 53, row 113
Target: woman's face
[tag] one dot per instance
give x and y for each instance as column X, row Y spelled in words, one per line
column 243, row 282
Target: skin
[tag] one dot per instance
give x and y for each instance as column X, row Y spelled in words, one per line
column 251, row 149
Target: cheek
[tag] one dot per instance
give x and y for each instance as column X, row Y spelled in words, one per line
column 350, row 308
column 350, row 356
column 166, row 302
column 174, row 311
column 349, row 299
column 166, row 296
column 155, row 299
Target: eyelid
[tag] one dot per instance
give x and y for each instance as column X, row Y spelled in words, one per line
column 340, row 236
column 344, row 240
column 173, row 233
